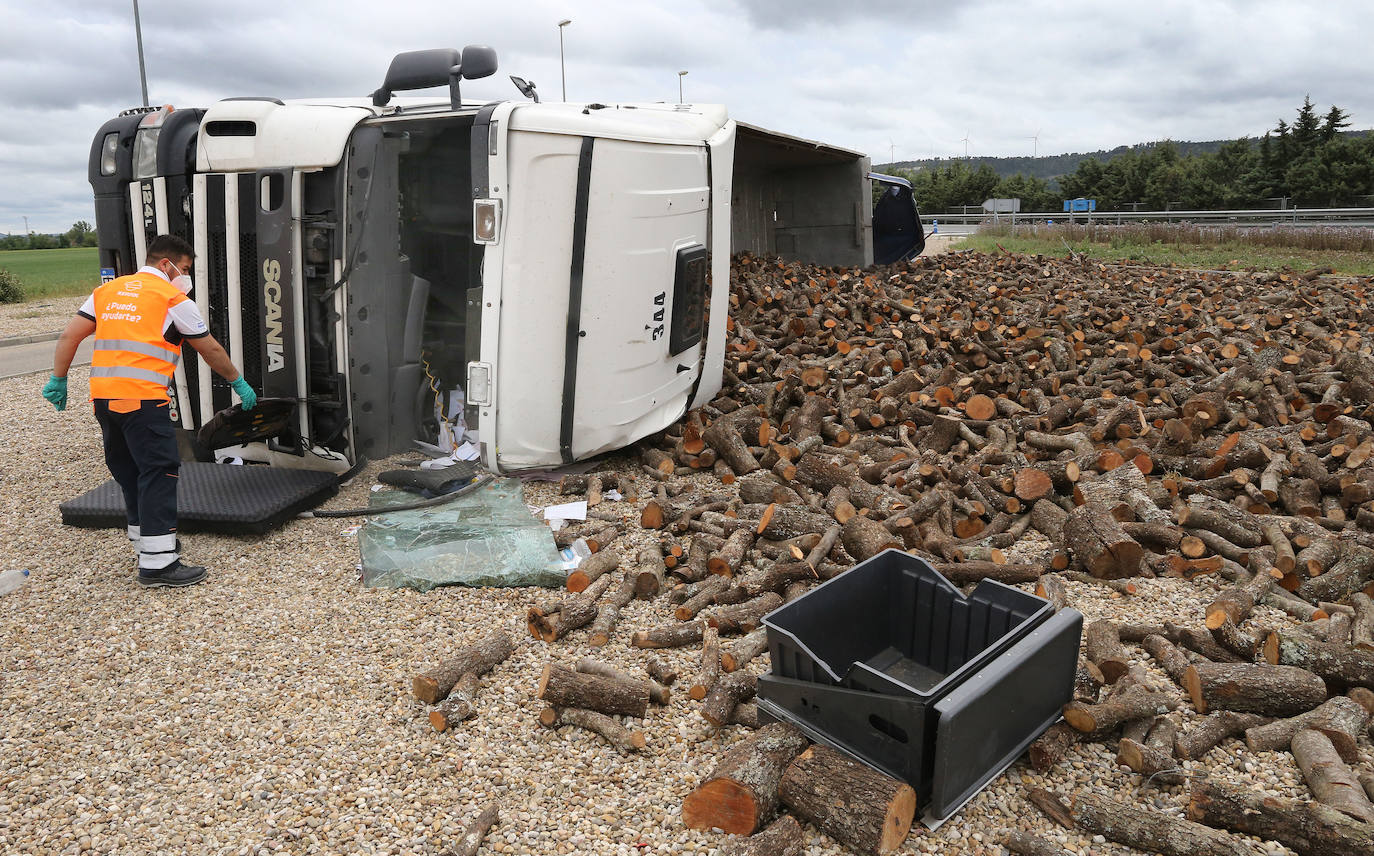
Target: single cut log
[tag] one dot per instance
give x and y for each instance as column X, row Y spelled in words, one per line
column 622, row 738
column 1026, row 844
column 1348, row 666
column 658, row 693
column 727, row 561
column 1105, row 651
column 743, row 617
column 967, row 573
column 1309, row 828
column 1157, row 766
column 744, row 649
column 1100, row 545
column 728, row 691
column 1206, row 735
column 458, row 706
column 864, row 538
column 669, row 636
column 1131, row 704
column 710, row 663
column 1052, row 588
column 741, row 793
column 434, row 686
column 1236, row 602
column 660, row 671
column 608, row 612
column 648, row 573
column 1237, row 641
column 1167, row 655
column 471, row 840
column 562, row 687
column 1341, row 719
column 1331, row 781
column 1253, row 688
column 591, row 568
column 705, row 595
column 849, row 801
column 782, row 837
column 1146, row 829
column 1053, row 807
column 1362, row 628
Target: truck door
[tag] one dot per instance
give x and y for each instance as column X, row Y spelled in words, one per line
column 604, row 286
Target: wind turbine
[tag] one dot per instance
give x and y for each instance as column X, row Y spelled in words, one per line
column 1035, row 152
column 891, row 152
column 965, row 142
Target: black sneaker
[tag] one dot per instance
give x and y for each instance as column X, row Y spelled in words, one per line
column 176, row 574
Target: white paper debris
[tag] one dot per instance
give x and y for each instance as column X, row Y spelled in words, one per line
column 567, row 511
column 612, row 495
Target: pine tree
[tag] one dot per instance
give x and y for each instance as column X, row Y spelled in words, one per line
column 1335, row 120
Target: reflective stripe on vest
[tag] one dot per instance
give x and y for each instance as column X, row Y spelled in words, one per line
column 132, row 359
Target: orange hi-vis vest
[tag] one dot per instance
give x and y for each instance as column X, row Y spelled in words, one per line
column 131, row 357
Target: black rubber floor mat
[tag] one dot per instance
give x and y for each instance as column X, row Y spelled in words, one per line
column 232, row 500
column 430, row 482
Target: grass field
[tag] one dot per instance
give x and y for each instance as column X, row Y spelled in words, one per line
column 53, row 273
column 1137, row 246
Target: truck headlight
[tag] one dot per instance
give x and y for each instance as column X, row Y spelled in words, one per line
column 486, row 220
column 109, row 147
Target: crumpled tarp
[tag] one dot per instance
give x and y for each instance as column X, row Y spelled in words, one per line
column 487, row 538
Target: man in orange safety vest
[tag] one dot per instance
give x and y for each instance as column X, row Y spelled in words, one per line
column 139, row 322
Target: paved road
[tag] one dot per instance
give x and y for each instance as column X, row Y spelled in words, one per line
column 18, row 360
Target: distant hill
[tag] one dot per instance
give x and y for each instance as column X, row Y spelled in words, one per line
column 1050, row 167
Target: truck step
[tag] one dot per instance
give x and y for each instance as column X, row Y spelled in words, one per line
column 231, row 500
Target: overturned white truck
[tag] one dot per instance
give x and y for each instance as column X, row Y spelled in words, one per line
column 565, row 264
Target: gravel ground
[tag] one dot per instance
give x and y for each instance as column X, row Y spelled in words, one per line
column 268, row 710
column 35, row 317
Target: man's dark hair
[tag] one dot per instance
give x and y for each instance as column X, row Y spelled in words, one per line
column 169, row 247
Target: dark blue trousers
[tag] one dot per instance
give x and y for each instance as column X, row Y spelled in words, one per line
column 141, row 452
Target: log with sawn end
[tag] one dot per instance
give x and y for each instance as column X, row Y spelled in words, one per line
column 562, row 687
column 479, row 658
column 741, row 793
column 622, row 738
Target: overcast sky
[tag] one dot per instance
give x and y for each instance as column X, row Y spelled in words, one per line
column 912, row 75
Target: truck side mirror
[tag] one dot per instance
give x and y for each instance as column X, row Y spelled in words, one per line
column 478, row 61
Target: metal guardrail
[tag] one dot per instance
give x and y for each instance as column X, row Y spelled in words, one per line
column 1237, row 217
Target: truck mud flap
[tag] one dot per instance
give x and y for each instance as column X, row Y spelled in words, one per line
column 231, row 500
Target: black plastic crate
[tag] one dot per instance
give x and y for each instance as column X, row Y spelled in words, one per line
column 893, row 664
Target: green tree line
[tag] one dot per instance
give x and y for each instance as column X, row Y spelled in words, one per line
column 1309, row 163
column 79, row 235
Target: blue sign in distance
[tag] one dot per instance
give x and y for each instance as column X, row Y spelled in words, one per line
column 107, row 274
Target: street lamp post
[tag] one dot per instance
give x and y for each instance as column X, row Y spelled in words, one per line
column 142, row 72
column 562, row 71
column 680, row 75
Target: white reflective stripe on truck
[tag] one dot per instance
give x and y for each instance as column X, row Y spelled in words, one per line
column 302, row 391
column 160, row 212
column 232, row 275
column 201, row 240
column 136, row 223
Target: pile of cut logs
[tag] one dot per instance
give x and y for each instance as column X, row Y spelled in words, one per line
column 1025, row 420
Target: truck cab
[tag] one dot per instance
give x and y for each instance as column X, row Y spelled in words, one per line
column 550, row 278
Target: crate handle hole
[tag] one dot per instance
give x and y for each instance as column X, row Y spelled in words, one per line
column 891, row 729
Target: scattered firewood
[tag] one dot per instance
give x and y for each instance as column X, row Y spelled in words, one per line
column 471, row 840
column 562, row 687
column 1330, row 780
column 1309, row 828
column 549, row 624
column 741, row 793
column 660, row 671
column 1104, row 649
column 648, row 573
column 849, row 801
column 479, row 658
column 1340, row 718
column 1144, row 828
column 622, row 738
column 1131, row 704
column 746, row 714
column 1155, row 764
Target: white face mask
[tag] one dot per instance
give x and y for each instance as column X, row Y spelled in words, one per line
column 181, row 280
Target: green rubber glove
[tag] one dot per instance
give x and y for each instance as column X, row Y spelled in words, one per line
column 55, row 391
column 245, row 392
